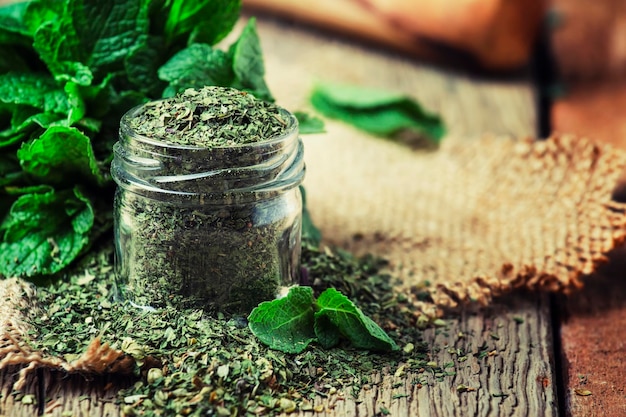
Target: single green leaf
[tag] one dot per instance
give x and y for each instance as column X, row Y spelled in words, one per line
column 309, row 124
column 327, row 333
column 60, row 154
column 376, row 111
column 355, row 326
column 56, row 44
column 285, row 324
column 39, row 12
column 25, row 122
column 92, row 38
column 33, row 89
column 23, row 130
column 13, row 30
column 142, row 66
column 197, row 66
column 44, row 232
column 200, row 21
column 248, row 65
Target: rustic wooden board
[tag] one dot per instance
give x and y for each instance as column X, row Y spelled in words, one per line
column 516, row 375
column 12, row 404
column 593, row 346
column 508, row 370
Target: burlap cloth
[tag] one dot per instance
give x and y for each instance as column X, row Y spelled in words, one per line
column 17, row 303
column 473, row 219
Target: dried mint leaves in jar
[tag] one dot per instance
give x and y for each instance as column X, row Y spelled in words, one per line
column 208, row 210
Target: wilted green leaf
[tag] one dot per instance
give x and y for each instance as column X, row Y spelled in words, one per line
column 375, row 111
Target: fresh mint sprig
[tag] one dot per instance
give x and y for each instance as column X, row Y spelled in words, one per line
column 291, row 323
column 69, row 69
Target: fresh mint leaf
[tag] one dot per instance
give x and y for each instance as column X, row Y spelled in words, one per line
column 36, row 90
column 44, row 232
column 200, row 64
column 142, row 66
column 61, row 153
column 197, row 66
column 285, row 324
column 290, row 324
column 12, row 27
column 248, row 63
column 359, row 329
column 376, row 111
column 200, row 21
column 92, row 38
column 309, row 124
column 39, row 12
column 20, row 132
column 327, row 333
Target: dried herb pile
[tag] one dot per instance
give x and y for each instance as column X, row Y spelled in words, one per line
column 189, row 363
column 210, row 117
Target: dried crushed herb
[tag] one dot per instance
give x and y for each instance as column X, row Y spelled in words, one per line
column 192, row 362
column 210, row 117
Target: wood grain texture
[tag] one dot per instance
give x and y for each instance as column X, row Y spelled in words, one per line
column 14, row 404
column 593, row 346
column 506, row 364
column 516, row 375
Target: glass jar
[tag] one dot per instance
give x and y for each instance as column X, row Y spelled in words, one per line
column 215, row 228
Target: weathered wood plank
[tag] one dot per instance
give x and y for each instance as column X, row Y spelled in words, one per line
column 593, row 345
column 14, row 404
column 80, row 396
column 505, row 361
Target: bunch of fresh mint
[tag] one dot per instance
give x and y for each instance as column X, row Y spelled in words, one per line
column 69, row 69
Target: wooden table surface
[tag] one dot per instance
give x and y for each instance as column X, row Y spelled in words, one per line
column 539, row 348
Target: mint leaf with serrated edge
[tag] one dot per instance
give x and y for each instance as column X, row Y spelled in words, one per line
column 248, row 63
column 44, row 232
column 290, row 324
column 376, row 111
column 202, row 21
column 60, row 153
column 196, row 66
column 355, row 326
column 285, row 324
column 241, row 67
column 91, row 38
column 36, row 90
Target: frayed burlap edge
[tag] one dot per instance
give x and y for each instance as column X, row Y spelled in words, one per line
column 18, row 301
column 475, row 219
